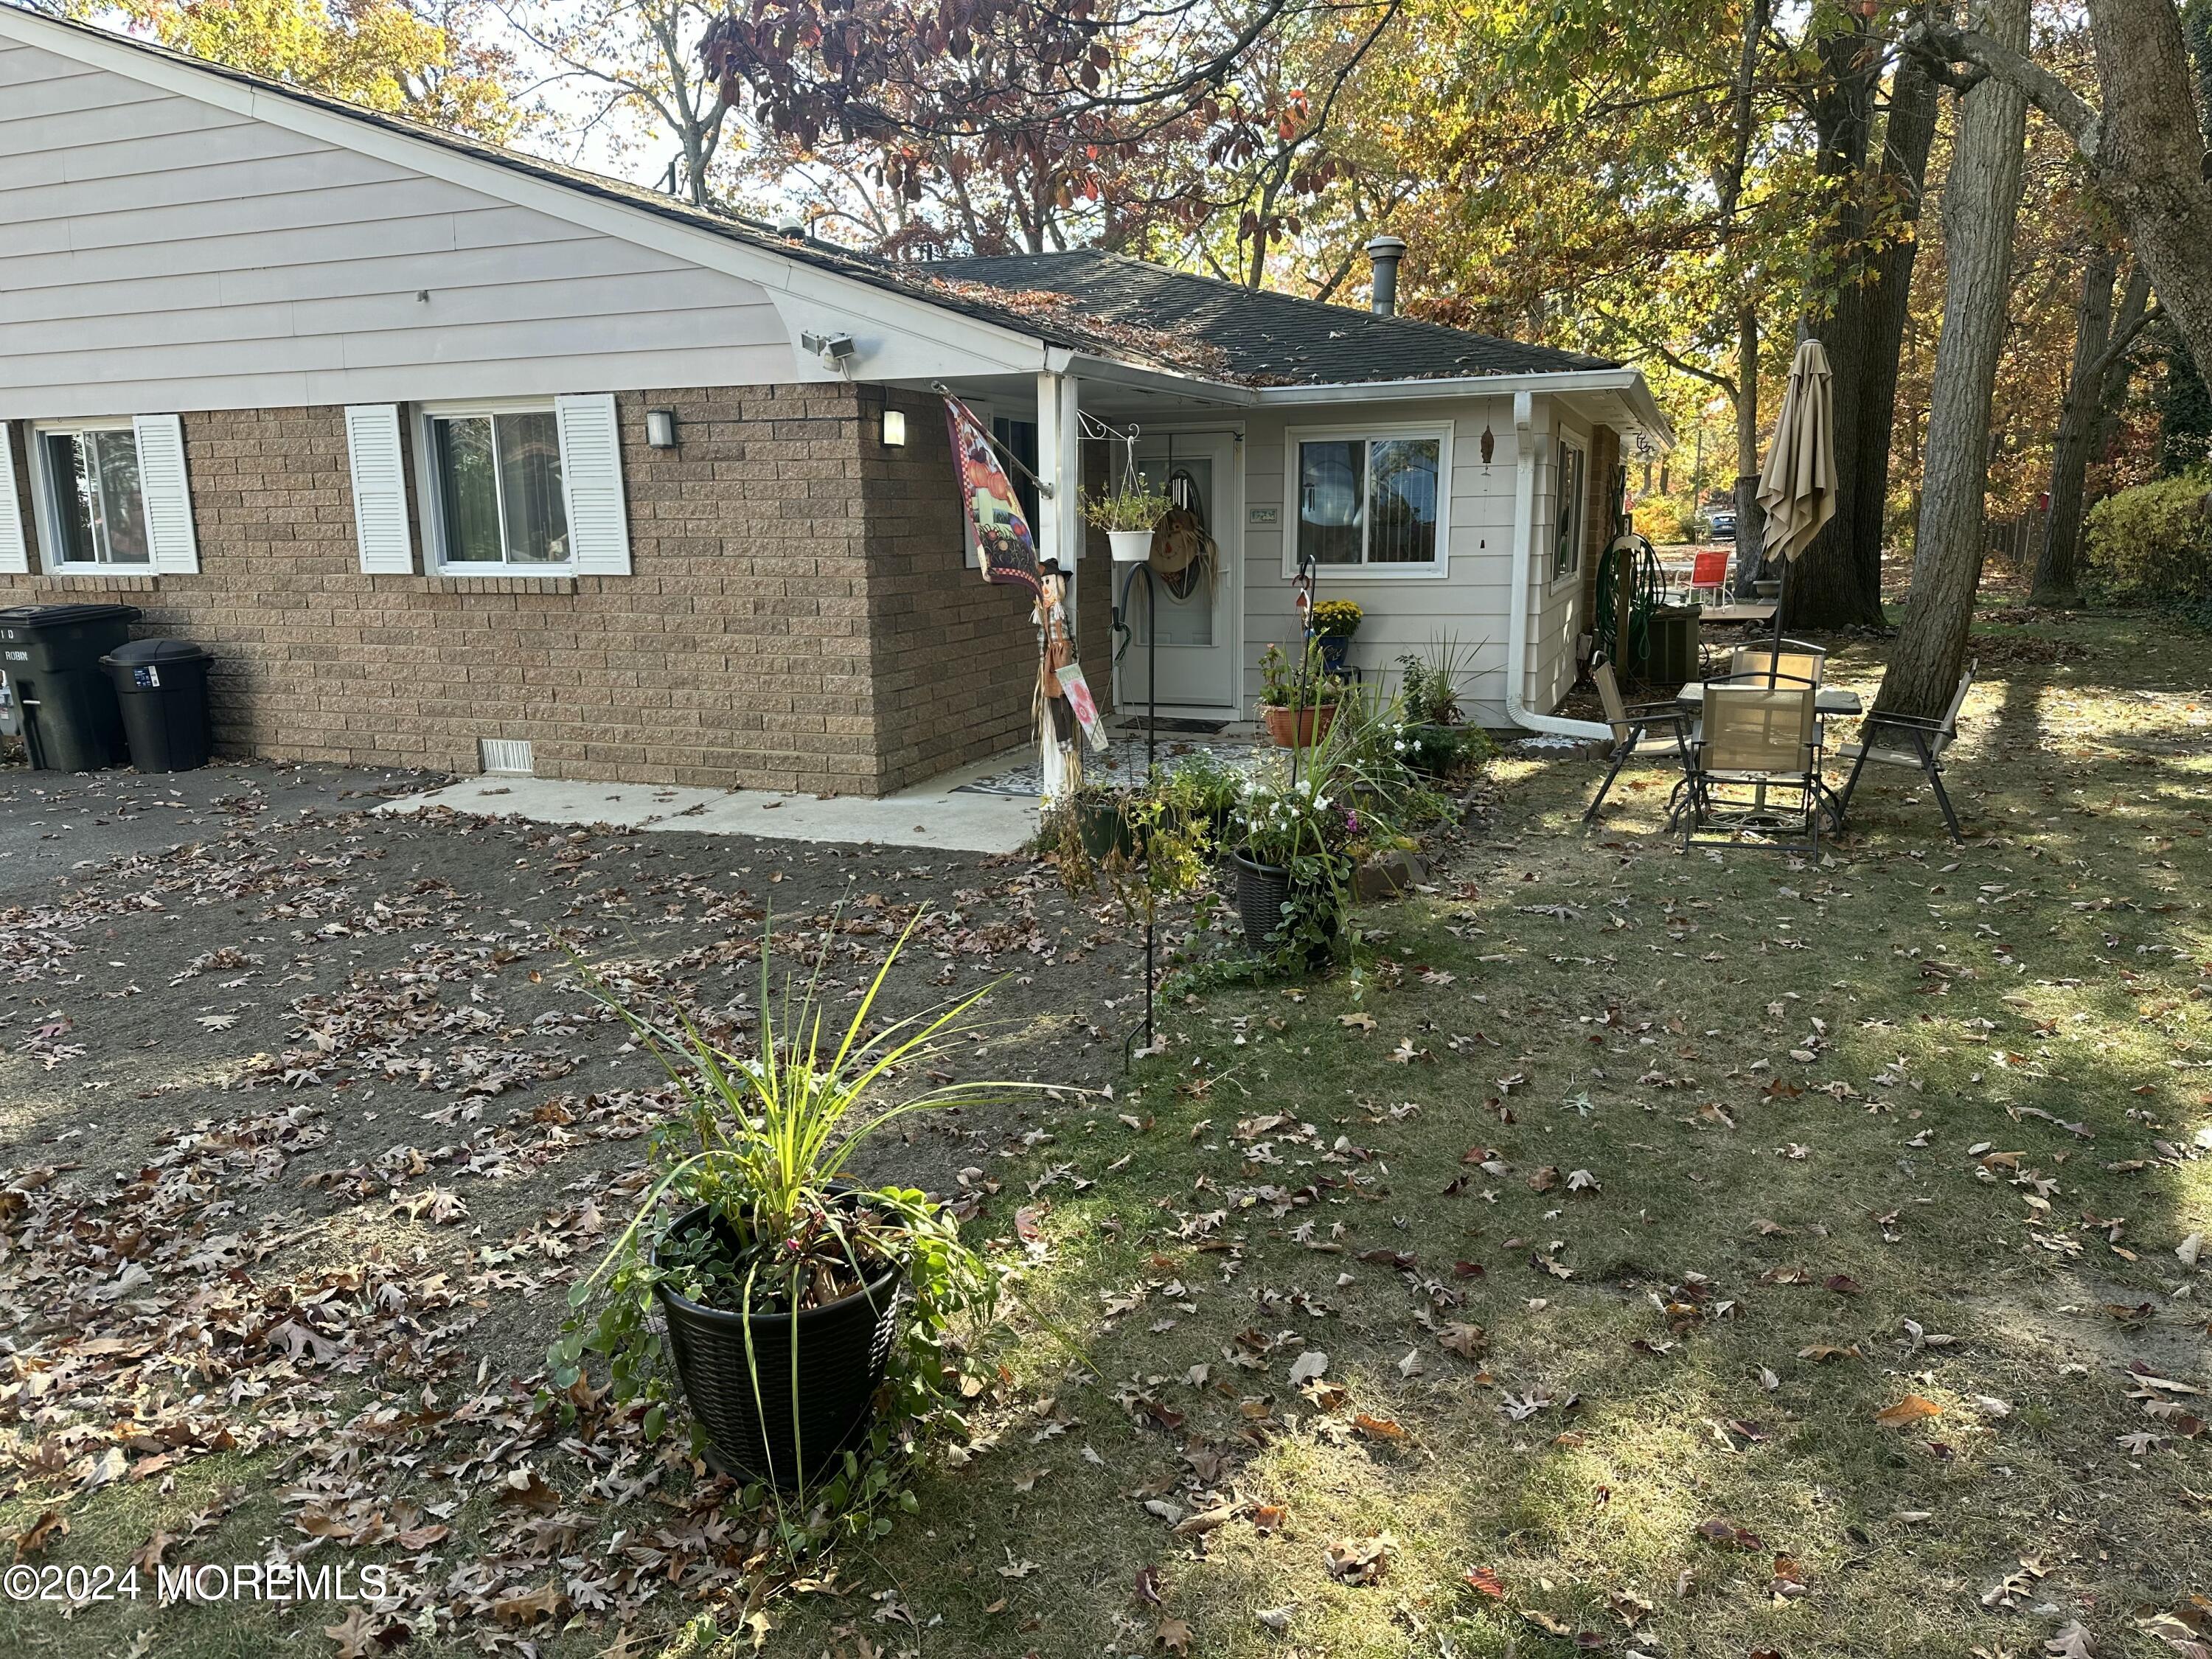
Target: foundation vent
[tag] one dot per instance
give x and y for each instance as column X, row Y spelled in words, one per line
column 506, row 757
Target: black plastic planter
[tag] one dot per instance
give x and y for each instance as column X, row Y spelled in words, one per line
column 810, row 1408
column 1262, row 889
column 1105, row 829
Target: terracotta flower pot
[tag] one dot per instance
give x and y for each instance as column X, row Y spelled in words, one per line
column 1297, row 727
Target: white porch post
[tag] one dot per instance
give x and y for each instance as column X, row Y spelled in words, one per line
column 1060, row 458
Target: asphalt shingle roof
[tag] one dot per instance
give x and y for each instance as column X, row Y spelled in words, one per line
column 1274, row 338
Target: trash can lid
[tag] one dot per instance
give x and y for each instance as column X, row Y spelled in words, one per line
column 35, row 616
column 140, row 652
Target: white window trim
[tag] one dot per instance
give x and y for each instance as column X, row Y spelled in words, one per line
column 45, row 500
column 431, row 496
column 1372, row 433
column 1573, row 574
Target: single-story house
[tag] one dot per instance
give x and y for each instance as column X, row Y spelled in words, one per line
column 457, row 458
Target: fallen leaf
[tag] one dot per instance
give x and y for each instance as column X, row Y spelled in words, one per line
column 1909, row 1410
column 1359, row 1560
column 50, row 1525
column 1174, row 1635
column 357, row 1635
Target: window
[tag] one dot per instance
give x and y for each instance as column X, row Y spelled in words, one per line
column 496, row 477
column 1021, row 437
column 1573, row 479
column 96, row 506
column 1372, row 498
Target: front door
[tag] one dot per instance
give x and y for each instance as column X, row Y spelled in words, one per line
column 1197, row 623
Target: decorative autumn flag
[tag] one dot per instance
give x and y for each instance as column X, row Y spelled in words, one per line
column 1003, row 540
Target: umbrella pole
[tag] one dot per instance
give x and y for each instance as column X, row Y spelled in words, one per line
column 1781, row 597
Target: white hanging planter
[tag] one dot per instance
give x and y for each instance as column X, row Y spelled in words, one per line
column 1130, row 546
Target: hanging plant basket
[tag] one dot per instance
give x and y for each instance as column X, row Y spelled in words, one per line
column 1130, row 546
column 764, row 1418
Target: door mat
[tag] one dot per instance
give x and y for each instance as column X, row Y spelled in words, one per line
column 1176, row 723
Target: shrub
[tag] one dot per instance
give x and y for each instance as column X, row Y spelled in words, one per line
column 2152, row 544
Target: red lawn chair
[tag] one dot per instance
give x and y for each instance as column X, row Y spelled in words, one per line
column 1708, row 576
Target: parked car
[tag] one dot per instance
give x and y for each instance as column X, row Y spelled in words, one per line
column 1720, row 524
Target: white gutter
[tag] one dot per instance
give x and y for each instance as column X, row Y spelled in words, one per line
column 1569, row 380
column 1516, row 613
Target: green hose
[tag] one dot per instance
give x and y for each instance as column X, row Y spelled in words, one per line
column 1647, row 591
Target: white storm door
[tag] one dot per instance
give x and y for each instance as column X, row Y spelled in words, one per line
column 1197, row 621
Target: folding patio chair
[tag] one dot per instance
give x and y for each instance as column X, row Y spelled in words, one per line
column 1796, row 663
column 1764, row 739
column 1905, row 740
column 1649, row 726
column 1712, row 576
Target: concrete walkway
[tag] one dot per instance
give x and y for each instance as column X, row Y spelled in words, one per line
column 932, row 815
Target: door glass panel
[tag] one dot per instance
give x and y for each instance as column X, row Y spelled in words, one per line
column 467, row 481
column 529, row 489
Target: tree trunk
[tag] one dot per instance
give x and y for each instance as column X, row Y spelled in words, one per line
column 1907, row 136
column 2151, row 156
column 1823, row 591
column 2077, row 415
column 1750, row 517
column 2143, row 149
column 1981, row 199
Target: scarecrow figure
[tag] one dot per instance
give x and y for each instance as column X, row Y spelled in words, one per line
column 1057, row 722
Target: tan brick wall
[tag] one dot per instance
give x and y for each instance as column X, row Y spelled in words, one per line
column 799, row 616
column 953, row 659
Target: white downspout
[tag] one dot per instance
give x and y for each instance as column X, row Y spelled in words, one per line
column 1517, row 616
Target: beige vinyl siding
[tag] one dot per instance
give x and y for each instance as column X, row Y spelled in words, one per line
column 161, row 253
column 1403, row 614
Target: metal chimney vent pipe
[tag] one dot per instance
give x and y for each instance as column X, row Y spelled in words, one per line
column 1384, row 252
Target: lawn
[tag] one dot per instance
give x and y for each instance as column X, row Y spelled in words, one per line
column 1704, row 1256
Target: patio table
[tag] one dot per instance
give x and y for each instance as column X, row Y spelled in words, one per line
column 1826, row 700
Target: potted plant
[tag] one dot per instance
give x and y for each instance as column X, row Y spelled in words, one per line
column 791, row 1292
column 1435, row 737
column 1126, row 512
column 1099, row 815
column 1298, row 705
column 1291, row 891
column 1333, row 621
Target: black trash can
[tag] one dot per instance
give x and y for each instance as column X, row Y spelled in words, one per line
column 162, row 686
column 58, row 697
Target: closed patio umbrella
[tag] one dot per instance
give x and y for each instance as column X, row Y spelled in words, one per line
column 1797, row 485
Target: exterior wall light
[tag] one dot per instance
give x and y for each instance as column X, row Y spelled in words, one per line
column 660, row 428
column 895, row 428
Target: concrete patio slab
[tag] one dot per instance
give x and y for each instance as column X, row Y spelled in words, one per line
column 932, row 815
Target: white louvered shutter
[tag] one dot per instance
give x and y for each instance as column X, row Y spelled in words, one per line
column 15, row 556
column 590, row 478
column 167, row 494
column 379, row 489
